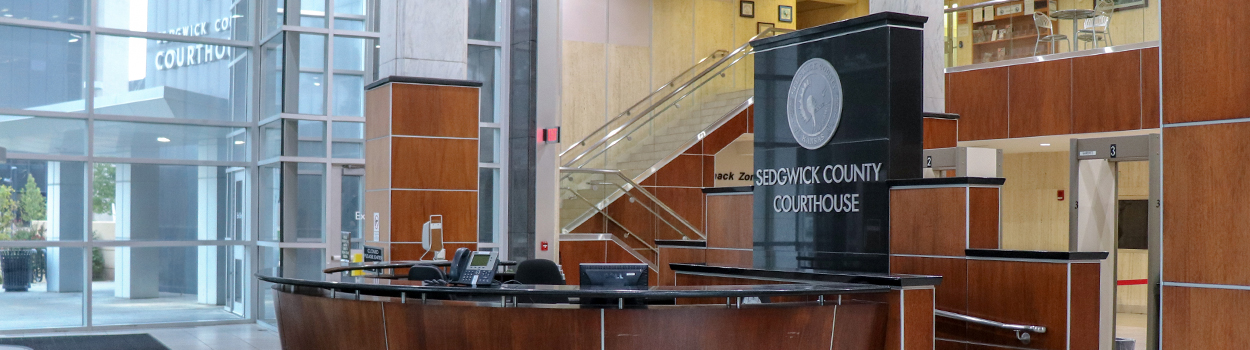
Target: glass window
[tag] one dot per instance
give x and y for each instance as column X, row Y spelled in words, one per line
column 54, row 280
column 271, row 78
column 348, row 23
column 168, row 141
column 349, row 7
column 349, row 95
column 42, row 69
column 51, row 200
column 484, row 19
column 270, row 217
column 311, row 136
column 349, row 53
column 312, row 67
column 221, row 19
column 488, row 208
column 153, row 202
column 312, row 13
column 38, row 135
column 306, row 192
column 60, row 11
column 309, row 198
column 483, row 67
column 349, row 140
column 488, row 145
column 167, row 79
column 170, row 284
column 271, row 140
column 273, row 13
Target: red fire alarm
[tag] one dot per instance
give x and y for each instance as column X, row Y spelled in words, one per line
column 543, row 246
column 549, row 135
column 1060, row 195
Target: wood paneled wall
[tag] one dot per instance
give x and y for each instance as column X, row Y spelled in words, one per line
column 1205, row 231
column 940, row 133
column 1020, row 292
column 575, row 252
column 943, row 221
column 421, row 160
column 1100, row 93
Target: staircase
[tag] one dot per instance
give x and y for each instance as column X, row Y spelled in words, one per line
column 600, row 176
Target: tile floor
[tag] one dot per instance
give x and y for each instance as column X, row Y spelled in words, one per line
column 227, row 337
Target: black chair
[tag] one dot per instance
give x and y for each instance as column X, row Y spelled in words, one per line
column 540, row 271
column 425, row 273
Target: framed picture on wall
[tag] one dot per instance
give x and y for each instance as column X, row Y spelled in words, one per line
column 746, row 9
column 760, row 27
column 1121, row 5
column 785, row 14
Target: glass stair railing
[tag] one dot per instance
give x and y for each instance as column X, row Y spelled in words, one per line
column 606, row 165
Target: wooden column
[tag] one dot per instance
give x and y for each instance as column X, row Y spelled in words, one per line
column 421, row 158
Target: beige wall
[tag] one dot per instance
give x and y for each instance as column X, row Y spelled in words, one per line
column 1032, row 217
column 615, row 52
column 811, row 18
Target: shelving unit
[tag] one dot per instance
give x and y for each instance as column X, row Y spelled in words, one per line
column 1021, row 31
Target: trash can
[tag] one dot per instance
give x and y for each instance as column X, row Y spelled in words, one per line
column 16, row 266
column 1124, row 344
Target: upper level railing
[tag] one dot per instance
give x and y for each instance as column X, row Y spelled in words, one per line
column 980, row 32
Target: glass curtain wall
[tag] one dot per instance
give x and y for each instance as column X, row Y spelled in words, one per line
column 488, row 60
column 133, row 193
column 126, row 196
column 316, row 58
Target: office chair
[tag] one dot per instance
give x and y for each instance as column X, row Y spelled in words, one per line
column 540, row 271
column 425, row 273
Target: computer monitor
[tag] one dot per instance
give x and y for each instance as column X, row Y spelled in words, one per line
column 614, row 275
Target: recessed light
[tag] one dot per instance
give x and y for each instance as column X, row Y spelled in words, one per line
column 1045, row 145
column 8, row 15
column 162, row 139
column 240, row 142
column 316, row 84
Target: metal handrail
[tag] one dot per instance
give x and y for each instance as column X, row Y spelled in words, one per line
column 715, row 54
column 1022, row 331
column 634, row 198
column 634, row 185
column 628, row 233
column 662, row 101
column 976, row 5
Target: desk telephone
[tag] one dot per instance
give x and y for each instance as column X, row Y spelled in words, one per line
column 473, row 267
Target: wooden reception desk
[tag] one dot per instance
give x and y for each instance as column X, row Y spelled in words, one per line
column 754, row 312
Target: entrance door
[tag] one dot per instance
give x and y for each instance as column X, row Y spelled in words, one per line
column 1115, row 205
column 236, row 273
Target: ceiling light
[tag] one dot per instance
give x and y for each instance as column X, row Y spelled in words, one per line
column 162, row 139
column 4, row 10
column 8, row 15
column 316, row 84
column 1045, row 145
column 240, row 142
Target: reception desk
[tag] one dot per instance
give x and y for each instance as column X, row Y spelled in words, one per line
column 342, row 312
